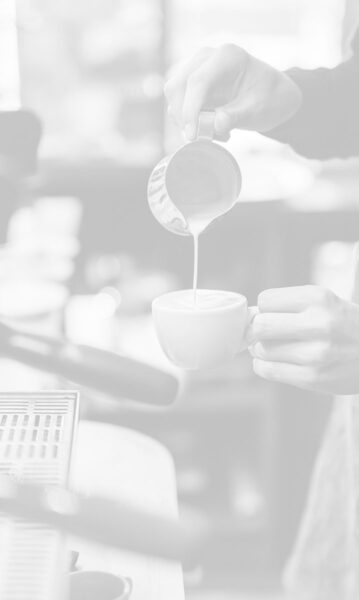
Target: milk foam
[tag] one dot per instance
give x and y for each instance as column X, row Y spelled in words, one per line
column 205, row 300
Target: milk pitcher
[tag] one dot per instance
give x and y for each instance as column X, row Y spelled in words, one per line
column 198, row 183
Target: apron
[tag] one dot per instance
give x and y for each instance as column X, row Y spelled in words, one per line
column 325, row 561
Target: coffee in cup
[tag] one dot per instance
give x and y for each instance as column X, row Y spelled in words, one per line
column 203, row 335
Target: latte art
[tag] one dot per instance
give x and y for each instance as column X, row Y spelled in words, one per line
column 206, row 300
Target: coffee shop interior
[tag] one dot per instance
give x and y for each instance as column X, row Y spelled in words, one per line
column 83, row 122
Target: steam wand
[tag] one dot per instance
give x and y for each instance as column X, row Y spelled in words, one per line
column 106, row 372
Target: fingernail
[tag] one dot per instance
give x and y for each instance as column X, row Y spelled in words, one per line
column 256, row 363
column 190, row 131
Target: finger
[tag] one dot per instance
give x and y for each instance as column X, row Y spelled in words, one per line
column 175, row 88
column 223, row 124
column 195, row 99
column 275, row 326
column 293, row 299
column 221, row 136
column 182, row 70
column 206, row 85
column 297, row 375
column 348, row 320
column 236, row 60
column 297, row 353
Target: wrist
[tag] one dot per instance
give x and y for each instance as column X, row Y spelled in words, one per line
column 293, row 98
column 286, row 129
column 287, row 100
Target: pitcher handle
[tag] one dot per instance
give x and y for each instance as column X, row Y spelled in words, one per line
column 206, row 121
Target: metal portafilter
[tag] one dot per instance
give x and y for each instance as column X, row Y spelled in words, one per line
column 106, row 372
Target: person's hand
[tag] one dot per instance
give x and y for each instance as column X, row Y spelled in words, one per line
column 307, row 337
column 245, row 92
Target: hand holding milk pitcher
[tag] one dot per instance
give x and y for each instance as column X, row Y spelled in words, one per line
column 198, row 328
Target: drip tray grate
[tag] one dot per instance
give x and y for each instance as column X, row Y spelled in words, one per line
column 36, row 439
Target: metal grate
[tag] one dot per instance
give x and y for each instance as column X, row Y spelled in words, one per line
column 36, row 440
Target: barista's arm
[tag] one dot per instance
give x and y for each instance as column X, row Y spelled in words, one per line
column 327, row 122
column 316, row 112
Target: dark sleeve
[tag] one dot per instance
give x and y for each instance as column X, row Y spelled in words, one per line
column 20, row 133
column 327, row 124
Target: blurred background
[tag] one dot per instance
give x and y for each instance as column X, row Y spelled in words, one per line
column 81, row 254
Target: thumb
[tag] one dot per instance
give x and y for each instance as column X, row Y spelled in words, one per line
column 224, row 122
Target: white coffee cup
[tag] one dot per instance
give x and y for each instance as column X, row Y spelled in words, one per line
column 202, row 335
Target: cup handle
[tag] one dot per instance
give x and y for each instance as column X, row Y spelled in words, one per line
column 252, row 311
column 128, row 588
column 205, row 129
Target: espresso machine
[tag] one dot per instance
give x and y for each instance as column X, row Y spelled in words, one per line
column 38, row 434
